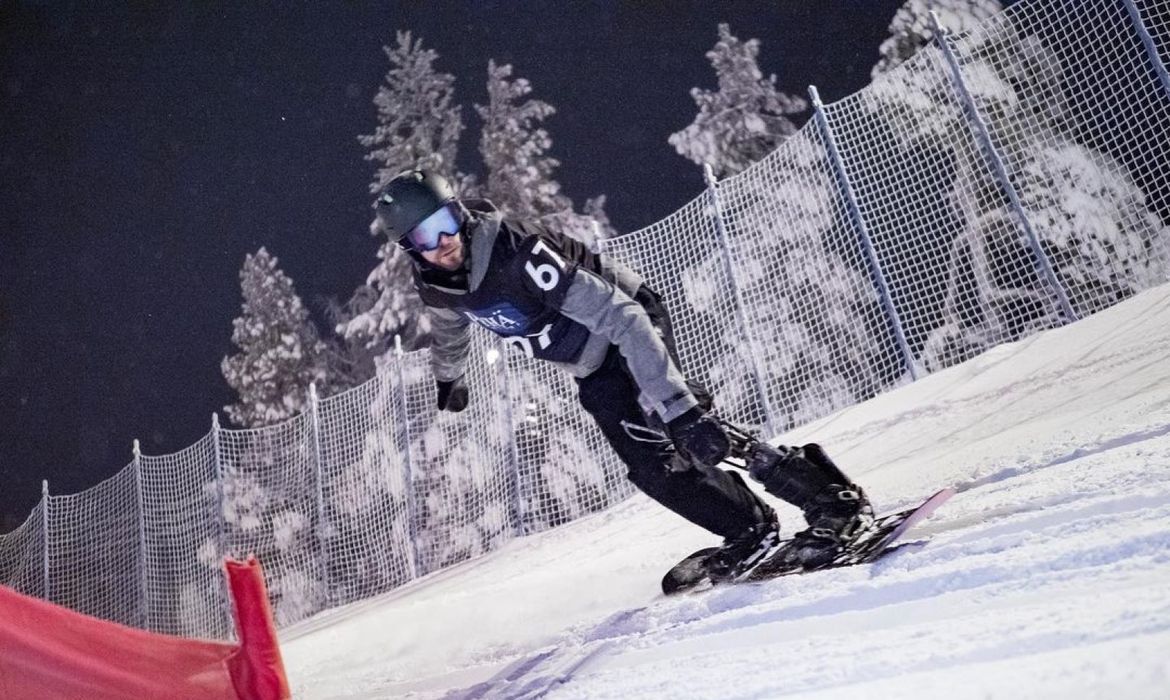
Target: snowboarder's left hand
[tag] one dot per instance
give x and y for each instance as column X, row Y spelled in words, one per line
column 700, row 436
column 453, row 396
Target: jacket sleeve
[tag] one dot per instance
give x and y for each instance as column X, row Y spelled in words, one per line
column 450, row 342
column 609, row 312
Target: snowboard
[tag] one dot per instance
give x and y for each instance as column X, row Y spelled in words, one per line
column 870, row 545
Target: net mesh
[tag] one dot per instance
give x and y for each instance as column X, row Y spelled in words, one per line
column 185, row 589
column 22, row 555
column 961, row 273
column 772, row 278
column 272, row 510
column 367, row 527
column 1080, row 119
column 463, row 478
column 818, row 331
column 683, row 259
column 1155, row 16
column 95, row 551
column 565, row 467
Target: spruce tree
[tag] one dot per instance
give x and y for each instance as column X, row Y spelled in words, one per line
column 418, row 127
column 418, row 122
column 280, row 352
column 745, row 119
column 520, row 173
column 911, row 28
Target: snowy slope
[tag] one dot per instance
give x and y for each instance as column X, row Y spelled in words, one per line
column 1048, row 575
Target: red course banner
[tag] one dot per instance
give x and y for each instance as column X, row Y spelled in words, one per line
column 48, row 652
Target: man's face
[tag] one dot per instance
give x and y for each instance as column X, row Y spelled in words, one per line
column 449, row 254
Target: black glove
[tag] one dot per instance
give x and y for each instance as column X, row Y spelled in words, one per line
column 698, row 435
column 453, row 396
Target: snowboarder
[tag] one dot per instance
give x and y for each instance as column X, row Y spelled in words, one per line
column 552, row 298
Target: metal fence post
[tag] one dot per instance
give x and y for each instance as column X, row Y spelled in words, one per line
column 871, row 256
column 983, row 134
column 315, row 427
column 1148, row 42
column 45, row 534
column 407, row 459
column 137, row 452
column 514, row 449
column 221, row 501
column 740, row 305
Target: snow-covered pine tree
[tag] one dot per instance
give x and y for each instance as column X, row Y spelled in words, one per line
column 520, row 173
column 911, row 27
column 745, row 120
column 418, row 127
column 418, row 123
column 994, row 292
column 280, row 351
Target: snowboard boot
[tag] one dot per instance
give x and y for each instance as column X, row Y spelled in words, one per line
column 740, row 553
column 835, row 517
column 835, row 509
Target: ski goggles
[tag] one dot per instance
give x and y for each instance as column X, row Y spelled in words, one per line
column 427, row 234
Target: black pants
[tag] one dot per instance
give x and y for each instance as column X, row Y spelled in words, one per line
column 709, row 497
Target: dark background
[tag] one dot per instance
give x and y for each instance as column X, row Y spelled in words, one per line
column 145, row 148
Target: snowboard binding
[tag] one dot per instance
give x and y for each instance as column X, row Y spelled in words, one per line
column 884, row 536
column 836, row 509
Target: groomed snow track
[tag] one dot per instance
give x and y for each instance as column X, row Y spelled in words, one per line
column 1048, row 575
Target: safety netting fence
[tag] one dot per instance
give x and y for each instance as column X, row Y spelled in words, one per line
column 1000, row 182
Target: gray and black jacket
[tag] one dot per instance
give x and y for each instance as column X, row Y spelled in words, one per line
column 550, row 297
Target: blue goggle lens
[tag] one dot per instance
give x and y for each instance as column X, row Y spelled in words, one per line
column 427, row 233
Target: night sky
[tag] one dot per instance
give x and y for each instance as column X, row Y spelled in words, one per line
column 145, row 148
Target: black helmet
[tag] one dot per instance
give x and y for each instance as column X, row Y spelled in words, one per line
column 410, row 197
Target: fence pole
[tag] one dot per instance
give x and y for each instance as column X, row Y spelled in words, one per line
column 45, row 534
column 983, row 134
column 506, row 380
column 221, row 501
column 137, row 452
column 407, row 458
column 740, row 305
column 315, row 427
column 1148, row 42
column 867, row 246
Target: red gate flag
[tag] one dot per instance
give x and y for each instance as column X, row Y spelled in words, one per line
column 49, row 652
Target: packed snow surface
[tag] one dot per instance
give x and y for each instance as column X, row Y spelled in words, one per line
column 1047, row 575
